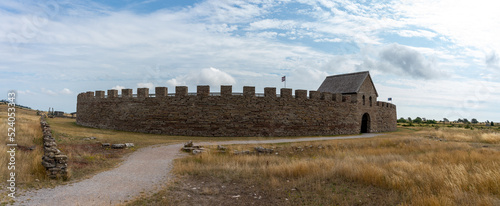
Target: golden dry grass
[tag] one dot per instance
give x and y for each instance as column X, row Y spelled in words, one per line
column 28, row 133
column 467, row 135
column 423, row 171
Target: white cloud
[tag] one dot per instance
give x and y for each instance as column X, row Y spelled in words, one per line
column 244, row 73
column 328, row 40
column 492, row 60
column 263, row 35
column 149, row 85
column 466, row 23
column 492, row 70
column 230, row 11
column 49, row 92
column 118, row 87
column 254, row 42
column 401, row 60
column 417, row 33
column 25, row 92
column 448, row 98
column 210, row 76
column 66, row 91
column 273, row 24
column 303, row 78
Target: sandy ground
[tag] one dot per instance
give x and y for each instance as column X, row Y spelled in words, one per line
column 143, row 172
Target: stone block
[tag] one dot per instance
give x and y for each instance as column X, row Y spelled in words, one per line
column 314, row 95
column 286, row 93
column 99, row 94
column 300, row 94
column 161, row 91
column 226, row 90
column 142, row 92
column 112, row 93
column 203, row 90
column 60, row 157
column 90, row 94
column 126, row 92
column 181, row 91
column 270, row 92
column 248, row 91
column 326, row 96
column 337, row 97
column 118, row 146
column 346, row 98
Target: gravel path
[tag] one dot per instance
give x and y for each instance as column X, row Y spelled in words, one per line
column 142, row 172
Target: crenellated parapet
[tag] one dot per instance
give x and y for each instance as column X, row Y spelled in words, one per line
column 225, row 91
column 228, row 113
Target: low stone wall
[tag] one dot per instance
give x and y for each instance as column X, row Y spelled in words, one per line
column 53, row 160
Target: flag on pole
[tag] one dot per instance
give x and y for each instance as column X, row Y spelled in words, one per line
column 283, row 78
column 389, row 99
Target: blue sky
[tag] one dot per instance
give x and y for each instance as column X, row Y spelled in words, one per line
column 434, row 58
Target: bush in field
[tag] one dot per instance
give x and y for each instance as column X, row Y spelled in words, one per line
column 431, row 122
column 418, row 120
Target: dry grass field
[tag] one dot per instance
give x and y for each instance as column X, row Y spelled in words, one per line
column 414, row 166
column 28, row 168
column 468, row 135
column 28, row 134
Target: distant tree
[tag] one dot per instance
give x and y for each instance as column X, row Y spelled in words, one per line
column 431, row 121
column 424, row 119
column 474, row 121
column 409, row 120
column 492, row 124
column 446, row 120
column 418, row 120
column 466, row 120
column 460, row 120
column 402, row 120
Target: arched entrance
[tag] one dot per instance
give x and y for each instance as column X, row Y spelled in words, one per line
column 365, row 123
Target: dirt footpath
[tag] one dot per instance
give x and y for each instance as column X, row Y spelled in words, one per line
column 143, row 172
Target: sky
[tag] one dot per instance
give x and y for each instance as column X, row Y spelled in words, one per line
column 435, row 59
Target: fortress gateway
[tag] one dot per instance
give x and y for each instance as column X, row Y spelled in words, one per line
column 343, row 104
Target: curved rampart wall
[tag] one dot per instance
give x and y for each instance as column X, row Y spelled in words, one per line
column 228, row 114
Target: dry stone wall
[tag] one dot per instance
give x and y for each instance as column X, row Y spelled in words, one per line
column 231, row 114
column 53, row 160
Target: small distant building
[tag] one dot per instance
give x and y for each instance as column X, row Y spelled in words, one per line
column 73, row 114
column 58, row 113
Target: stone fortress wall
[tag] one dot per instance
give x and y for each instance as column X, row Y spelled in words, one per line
column 233, row 114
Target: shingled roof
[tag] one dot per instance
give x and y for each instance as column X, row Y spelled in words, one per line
column 345, row 83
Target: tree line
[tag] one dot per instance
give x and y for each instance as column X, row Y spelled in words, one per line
column 419, row 120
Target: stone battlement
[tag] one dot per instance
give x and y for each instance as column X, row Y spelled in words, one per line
column 226, row 113
column 225, row 91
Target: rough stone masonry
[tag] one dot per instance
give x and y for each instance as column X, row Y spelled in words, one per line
column 53, row 160
column 238, row 114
